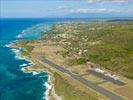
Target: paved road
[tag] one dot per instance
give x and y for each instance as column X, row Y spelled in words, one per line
column 88, row 83
column 118, row 82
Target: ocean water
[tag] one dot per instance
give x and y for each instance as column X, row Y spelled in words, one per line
column 14, row 83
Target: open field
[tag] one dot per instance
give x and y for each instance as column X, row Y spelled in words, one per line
column 69, row 91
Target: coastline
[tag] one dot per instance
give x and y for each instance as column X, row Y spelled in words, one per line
column 50, row 93
column 26, row 68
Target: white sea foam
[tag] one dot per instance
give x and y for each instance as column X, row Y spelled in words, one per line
column 15, row 50
column 18, row 55
column 48, row 87
column 23, row 31
column 19, row 36
column 35, row 72
column 30, row 63
column 7, row 45
column 32, row 72
column 23, row 65
column 23, row 69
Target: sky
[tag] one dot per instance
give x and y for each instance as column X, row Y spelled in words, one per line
column 66, row 8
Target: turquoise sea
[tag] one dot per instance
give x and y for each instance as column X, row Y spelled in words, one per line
column 14, row 83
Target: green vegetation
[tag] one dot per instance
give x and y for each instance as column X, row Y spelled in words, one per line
column 76, row 61
column 108, row 44
column 69, row 92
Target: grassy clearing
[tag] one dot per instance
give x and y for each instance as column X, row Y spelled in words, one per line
column 69, row 92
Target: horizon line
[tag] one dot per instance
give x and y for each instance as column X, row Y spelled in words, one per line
column 59, row 17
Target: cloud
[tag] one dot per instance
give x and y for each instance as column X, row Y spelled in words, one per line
column 60, row 7
column 95, row 10
column 92, row 1
column 110, row 1
column 87, row 10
